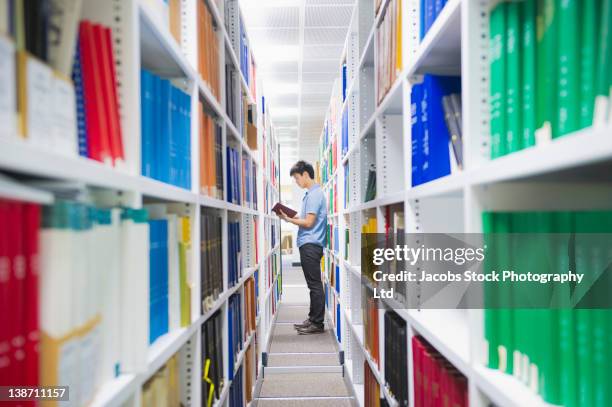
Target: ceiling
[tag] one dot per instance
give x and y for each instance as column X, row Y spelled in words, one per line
column 297, row 45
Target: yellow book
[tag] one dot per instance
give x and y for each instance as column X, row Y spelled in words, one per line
column 184, row 269
column 398, row 42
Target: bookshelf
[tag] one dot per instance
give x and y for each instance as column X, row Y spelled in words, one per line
column 167, row 38
column 559, row 172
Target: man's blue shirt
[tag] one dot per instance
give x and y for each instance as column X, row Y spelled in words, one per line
column 313, row 202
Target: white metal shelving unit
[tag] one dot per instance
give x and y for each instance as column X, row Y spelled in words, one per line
column 562, row 174
column 142, row 40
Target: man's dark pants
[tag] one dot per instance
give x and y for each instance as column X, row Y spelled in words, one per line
column 310, row 257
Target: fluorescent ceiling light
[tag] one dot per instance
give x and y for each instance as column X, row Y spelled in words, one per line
column 284, row 111
column 278, row 53
column 281, row 88
column 270, row 3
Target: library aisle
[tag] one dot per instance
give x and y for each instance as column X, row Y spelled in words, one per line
column 144, row 143
column 301, row 370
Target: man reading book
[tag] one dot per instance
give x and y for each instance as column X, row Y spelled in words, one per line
column 312, row 223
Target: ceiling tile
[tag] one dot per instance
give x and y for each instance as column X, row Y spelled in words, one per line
column 278, row 77
column 274, row 36
column 321, row 65
column 279, row 66
column 323, row 51
column 319, row 77
column 324, row 36
column 328, row 16
column 287, row 100
column 314, row 87
column 328, row 2
column 273, row 17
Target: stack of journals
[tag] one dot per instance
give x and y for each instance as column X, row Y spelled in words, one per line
column 234, row 267
column 430, row 136
column 233, row 176
column 163, row 388
column 95, row 83
column 208, row 49
column 347, row 185
column 559, row 352
column 211, row 158
column 254, row 169
column 211, row 258
column 236, row 390
column 368, row 232
column 234, row 331
column 19, row 292
column 169, row 252
column 250, row 371
column 345, row 132
column 396, row 357
column 232, row 101
column 370, row 190
column 436, row 381
column 247, row 180
column 101, row 251
column 166, row 128
column 430, row 10
column 371, row 388
column 370, row 322
column 250, row 306
column 550, row 70
column 250, row 255
column 389, row 45
column 212, row 359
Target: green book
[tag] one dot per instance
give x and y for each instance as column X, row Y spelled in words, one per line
column 529, row 57
column 547, row 57
column 566, row 316
column 505, row 312
column 490, row 311
column 604, row 58
column 497, row 46
column 588, row 60
column 568, row 79
column 513, row 78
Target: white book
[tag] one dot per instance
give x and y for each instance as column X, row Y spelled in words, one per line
column 38, row 114
column 56, row 288
column 64, row 20
column 174, row 294
column 63, row 117
column 110, row 288
column 8, row 98
column 134, row 295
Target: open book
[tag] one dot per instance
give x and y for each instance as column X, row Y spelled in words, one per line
column 287, row 210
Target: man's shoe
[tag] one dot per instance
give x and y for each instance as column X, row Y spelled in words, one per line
column 311, row 329
column 303, row 324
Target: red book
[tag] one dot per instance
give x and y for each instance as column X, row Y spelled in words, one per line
column 104, row 76
column 287, row 210
column 117, row 139
column 31, row 225
column 416, row 367
column 5, row 291
column 444, row 387
column 17, row 293
column 427, row 376
column 97, row 141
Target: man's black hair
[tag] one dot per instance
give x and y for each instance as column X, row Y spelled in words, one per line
column 301, row 167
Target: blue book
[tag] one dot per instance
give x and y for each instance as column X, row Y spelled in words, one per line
column 438, row 6
column 338, row 330
column 147, row 101
column 80, row 99
column 187, row 149
column 338, row 279
column 163, row 148
column 174, row 135
column 229, row 173
column 230, row 335
column 343, row 82
column 416, row 131
column 436, row 154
